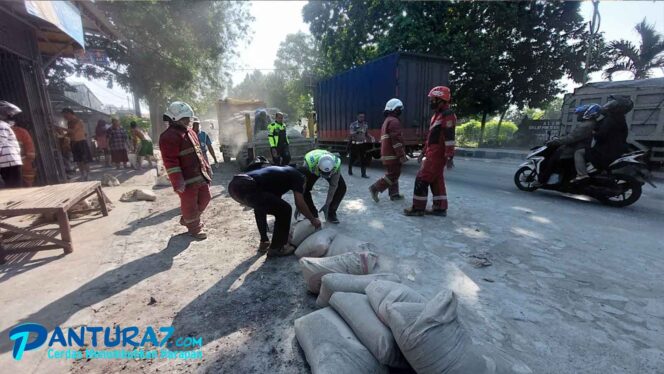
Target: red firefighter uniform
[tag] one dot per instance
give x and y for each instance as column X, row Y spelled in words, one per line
column 438, row 148
column 28, row 155
column 392, row 154
column 188, row 172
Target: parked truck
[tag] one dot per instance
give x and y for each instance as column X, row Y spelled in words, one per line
column 645, row 121
column 243, row 132
column 367, row 88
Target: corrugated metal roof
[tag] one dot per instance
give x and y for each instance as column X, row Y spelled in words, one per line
column 641, row 83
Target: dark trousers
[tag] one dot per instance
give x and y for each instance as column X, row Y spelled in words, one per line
column 359, row 152
column 283, row 158
column 311, row 179
column 265, row 203
column 12, row 176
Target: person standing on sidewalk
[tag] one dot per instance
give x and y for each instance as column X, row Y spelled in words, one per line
column 276, row 135
column 80, row 148
column 186, row 167
column 261, row 190
column 392, row 152
column 438, row 148
column 10, row 151
column 359, row 142
column 205, row 141
column 102, row 141
column 142, row 144
column 117, row 142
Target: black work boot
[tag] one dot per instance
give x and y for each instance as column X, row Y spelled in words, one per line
column 437, row 212
column 332, row 218
column 350, row 171
column 286, row 250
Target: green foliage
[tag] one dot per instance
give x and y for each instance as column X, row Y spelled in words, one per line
column 639, row 60
column 468, row 133
column 143, row 123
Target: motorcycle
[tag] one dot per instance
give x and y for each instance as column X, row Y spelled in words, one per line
column 618, row 186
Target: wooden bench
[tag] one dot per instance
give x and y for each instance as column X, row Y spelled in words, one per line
column 54, row 200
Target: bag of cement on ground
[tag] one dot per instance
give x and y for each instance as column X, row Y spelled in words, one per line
column 384, row 293
column 109, row 180
column 314, row 268
column 162, row 181
column 435, row 342
column 331, row 347
column 136, row 195
column 337, row 282
column 355, row 309
column 316, row 244
column 300, row 231
column 345, row 244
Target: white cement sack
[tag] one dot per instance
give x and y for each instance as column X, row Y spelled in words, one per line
column 316, row 244
column 337, row 282
column 435, row 342
column 314, row 268
column 145, row 195
column 355, row 309
column 345, row 244
column 301, row 231
column 383, row 293
column 162, row 181
column 108, row 180
column 331, row 347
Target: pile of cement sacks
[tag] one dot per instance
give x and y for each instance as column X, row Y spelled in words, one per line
column 371, row 323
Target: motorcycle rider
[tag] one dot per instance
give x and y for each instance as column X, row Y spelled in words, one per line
column 321, row 163
column 392, row 152
column 439, row 147
column 574, row 144
column 611, row 134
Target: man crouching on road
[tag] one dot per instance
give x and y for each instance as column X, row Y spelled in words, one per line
column 261, row 189
column 321, row 163
column 187, row 169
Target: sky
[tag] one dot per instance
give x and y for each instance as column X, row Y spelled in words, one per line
column 276, row 19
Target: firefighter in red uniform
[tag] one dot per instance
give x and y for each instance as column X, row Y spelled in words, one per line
column 392, row 152
column 438, row 149
column 186, row 166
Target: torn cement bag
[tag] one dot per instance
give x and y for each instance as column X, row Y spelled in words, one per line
column 316, row 244
column 355, row 309
column 344, row 244
column 314, row 268
column 109, row 180
column 435, row 342
column 337, row 282
column 162, row 181
column 384, row 293
column 301, row 230
column 136, row 195
column 331, row 347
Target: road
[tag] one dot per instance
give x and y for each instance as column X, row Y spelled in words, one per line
column 574, row 286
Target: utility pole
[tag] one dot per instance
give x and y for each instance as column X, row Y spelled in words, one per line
column 594, row 28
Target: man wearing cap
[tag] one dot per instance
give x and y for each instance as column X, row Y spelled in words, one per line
column 187, row 169
column 204, row 139
column 276, row 135
column 79, row 143
column 261, row 189
column 321, row 163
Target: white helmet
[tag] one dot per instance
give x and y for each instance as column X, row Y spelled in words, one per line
column 178, row 110
column 393, row 104
column 326, row 165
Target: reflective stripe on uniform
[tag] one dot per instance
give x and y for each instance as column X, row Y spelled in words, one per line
column 187, row 151
column 191, row 220
column 436, row 198
column 397, row 145
column 450, row 142
column 387, row 158
column 387, row 180
column 421, row 198
column 174, row 170
column 383, row 137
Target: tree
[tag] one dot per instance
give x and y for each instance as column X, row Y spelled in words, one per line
column 503, row 53
column 170, row 50
column 641, row 60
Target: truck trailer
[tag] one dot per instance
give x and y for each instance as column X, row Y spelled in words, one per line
column 367, row 88
column 645, row 121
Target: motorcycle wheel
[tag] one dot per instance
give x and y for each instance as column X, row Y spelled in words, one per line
column 631, row 192
column 524, row 179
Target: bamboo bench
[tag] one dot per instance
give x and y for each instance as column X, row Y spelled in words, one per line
column 54, row 200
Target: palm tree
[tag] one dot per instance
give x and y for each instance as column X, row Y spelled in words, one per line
column 641, row 60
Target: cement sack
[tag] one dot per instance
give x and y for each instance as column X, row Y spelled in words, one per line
column 355, row 309
column 384, row 293
column 108, row 180
column 316, row 244
column 301, row 231
column 337, row 282
column 314, row 268
column 162, row 181
column 331, row 347
column 435, row 342
column 137, row 195
column 345, row 244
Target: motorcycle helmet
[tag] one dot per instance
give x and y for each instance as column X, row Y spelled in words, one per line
column 8, row 110
column 440, row 92
column 593, row 112
column 326, row 165
column 393, row 104
column 579, row 111
column 178, row 110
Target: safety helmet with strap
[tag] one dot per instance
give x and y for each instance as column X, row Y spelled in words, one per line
column 393, row 104
column 179, row 110
column 441, row 92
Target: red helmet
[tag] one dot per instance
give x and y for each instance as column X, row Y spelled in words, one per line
column 441, row 92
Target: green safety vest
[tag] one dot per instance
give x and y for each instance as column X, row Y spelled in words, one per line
column 312, row 157
column 276, row 134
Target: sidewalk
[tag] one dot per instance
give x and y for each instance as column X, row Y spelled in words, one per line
column 493, row 153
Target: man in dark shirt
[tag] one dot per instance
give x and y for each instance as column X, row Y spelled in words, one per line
column 261, row 190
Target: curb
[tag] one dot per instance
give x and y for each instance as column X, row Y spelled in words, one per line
column 491, row 153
